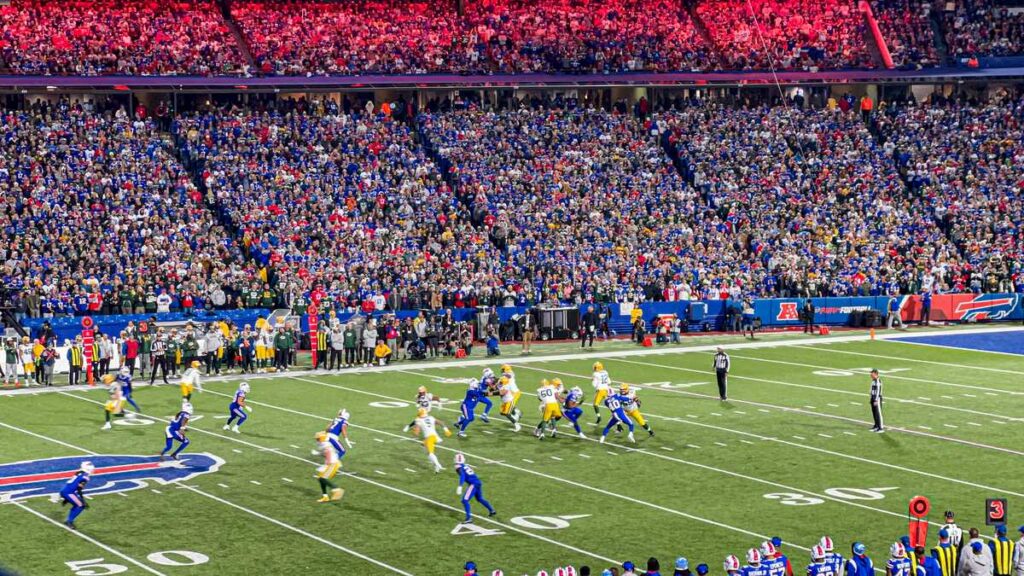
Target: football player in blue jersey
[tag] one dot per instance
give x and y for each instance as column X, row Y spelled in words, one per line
column 474, row 488
column 731, row 565
column 898, row 564
column 124, row 379
column 488, row 386
column 754, row 566
column 468, row 408
column 571, row 408
column 176, row 431
column 337, row 431
column 859, row 563
column 238, row 409
column 614, row 403
column 831, row 556
column 772, row 560
column 72, row 493
column 818, row 566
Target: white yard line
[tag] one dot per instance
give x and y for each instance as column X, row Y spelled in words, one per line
column 354, row 477
column 88, row 539
column 918, row 360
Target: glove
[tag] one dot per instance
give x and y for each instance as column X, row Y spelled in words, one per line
column 314, row 453
column 447, row 433
column 348, row 443
column 248, row 409
column 458, row 491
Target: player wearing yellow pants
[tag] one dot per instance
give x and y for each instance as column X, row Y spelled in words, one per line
column 631, row 406
column 510, row 395
column 329, row 469
column 602, row 385
column 115, row 405
column 190, row 381
column 426, row 425
column 552, row 411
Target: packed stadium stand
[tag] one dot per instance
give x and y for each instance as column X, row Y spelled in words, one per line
column 132, row 37
column 353, row 37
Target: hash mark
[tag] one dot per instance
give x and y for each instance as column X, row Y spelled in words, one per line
column 221, row 485
column 848, row 433
column 809, row 407
column 950, row 425
column 236, row 450
column 584, row 456
column 720, row 444
column 256, row 482
column 745, row 441
column 833, row 405
column 715, row 414
column 528, row 461
column 288, row 480
column 294, row 446
column 556, row 458
column 692, row 446
column 666, row 448
column 739, row 412
column 155, row 491
column 973, row 424
column 613, row 453
column 799, row 437
column 410, row 470
column 923, row 427
column 381, row 472
column 763, row 410
column 999, row 422
column 823, row 435
column 378, row 440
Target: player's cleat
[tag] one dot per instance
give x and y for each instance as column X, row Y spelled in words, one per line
column 461, row 434
column 601, row 441
column 235, row 429
column 582, row 435
column 405, row 428
column 878, row 430
column 106, row 426
column 228, row 427
column 516, row 427
column 337, row 493
column 631, row 439
column 651, row 432
column 438, row 469
column 618, row 429
column 598, row 421
column 492, row 514
column 485, row 418
column 71, row 525
column 324, row 498
column 553, row 432
column 467, row 521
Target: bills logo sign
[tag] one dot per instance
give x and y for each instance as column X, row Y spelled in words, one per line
column 985, row 307
column 45, row 478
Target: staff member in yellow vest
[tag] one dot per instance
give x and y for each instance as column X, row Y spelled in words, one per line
column 1002, row 552
column 946, row 553
column 915, row 561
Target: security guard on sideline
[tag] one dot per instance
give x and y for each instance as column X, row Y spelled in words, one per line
column 1002, row 552
column 323, row 340
column 876, row 401
column 722, row 365
column 946, row 553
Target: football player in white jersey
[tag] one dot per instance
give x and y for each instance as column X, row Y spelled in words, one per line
column 326, row 473
column 602, row 387
column 424, row 400
column 510, row 395
column 549, row 405
column 427, row 426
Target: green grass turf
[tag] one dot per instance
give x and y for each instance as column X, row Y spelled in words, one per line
column 795, row 428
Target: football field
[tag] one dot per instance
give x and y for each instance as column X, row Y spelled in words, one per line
column 790, row 454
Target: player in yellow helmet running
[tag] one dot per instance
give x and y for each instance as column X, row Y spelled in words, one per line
column 552, row 411
column 602, row 387
column 326, row 473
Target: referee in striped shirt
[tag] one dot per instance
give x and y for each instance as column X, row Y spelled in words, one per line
column 722, row 372
column 876, row 401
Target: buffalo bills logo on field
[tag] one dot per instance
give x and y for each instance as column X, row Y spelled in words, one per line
column 35, row 478
column 986, row 307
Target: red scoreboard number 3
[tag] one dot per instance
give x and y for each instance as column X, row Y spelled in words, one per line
column 995, row 511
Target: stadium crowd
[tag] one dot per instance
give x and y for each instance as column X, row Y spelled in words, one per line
column 983, row 28
column 365, row 36
column 588, row 36
column 124, row 37
column 966, row 163
column 787, row 34
column 98, row 215
column 906, row 27
column 366, row 208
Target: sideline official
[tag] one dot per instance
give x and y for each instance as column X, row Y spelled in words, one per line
column 876, row 401
column 722, row 365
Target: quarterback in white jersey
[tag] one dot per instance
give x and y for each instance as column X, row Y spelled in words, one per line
column 602, row 383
